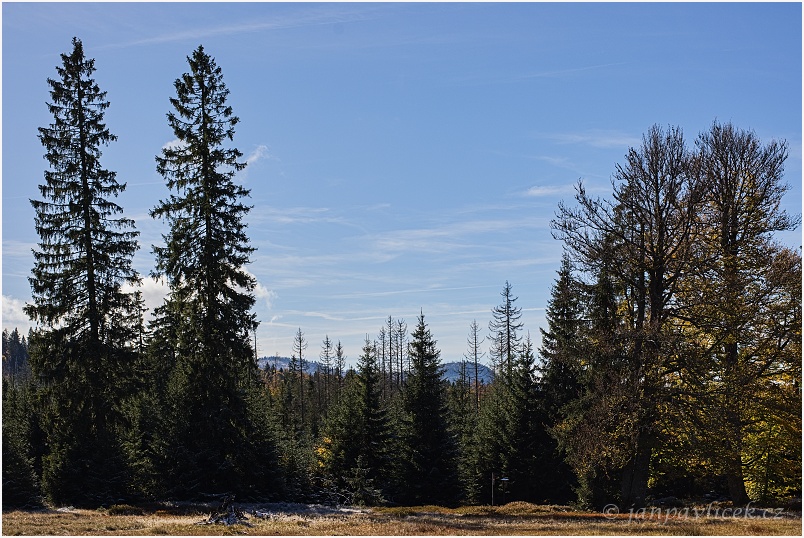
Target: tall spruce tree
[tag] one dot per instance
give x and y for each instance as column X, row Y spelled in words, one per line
column 464, row 404
column 340, row 364
column 512, row 436
column 400, row 339
column 473, row 356
column 505, row 326
column 524, row 434
column 429, row 473
column 596, row 427
column 463, row 423
column 490, row 447
column 374, row 432
column 560, row 369
column 560, row 360
column 83, row 348
column 299, row 366
column 327, row 357
column 218, row 439
column 355, row 449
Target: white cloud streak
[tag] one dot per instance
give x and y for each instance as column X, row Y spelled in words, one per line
column 309, row 17
column 597, row 138
column 22, row 249
column 548, row 190
column 458, row 235
column 512, row 78
column 293, row 215
column 406, row 291
column 259, row 153
column 566, row 72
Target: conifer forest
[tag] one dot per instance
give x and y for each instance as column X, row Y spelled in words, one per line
column 670, row 364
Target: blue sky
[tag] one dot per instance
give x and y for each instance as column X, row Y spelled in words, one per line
column 402, row 157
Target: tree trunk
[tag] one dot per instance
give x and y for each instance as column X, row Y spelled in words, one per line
column 734, row 445
column 634, row 485
column 736, row 483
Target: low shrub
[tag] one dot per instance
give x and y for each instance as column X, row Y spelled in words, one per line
column 125, row 510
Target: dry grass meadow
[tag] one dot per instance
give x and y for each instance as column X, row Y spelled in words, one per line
column 303, row 520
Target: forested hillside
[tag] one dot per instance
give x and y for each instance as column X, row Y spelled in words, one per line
column 670, row 364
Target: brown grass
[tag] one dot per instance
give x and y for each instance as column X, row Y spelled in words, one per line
column 511, row 519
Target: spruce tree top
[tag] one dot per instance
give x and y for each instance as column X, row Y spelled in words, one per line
column 207, row 244
column 85, row 250
column 202, row 121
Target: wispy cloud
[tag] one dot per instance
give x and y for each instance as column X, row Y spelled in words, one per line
column 509, row 78
column 13, row 248
column 510, row 263
column 294, row 215
column 449, row 239
column 359, row 295
column 548, row 190
column 422, row 240
column 382, row 206
column 259, row 153
column 557, row 73
column 598, row 138
column 308, row 17
column 558, row 162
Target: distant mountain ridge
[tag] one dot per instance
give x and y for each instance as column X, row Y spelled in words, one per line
column 282, row 363
column 452, row 370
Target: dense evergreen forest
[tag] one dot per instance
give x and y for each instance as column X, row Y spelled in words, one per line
column 670, row 364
